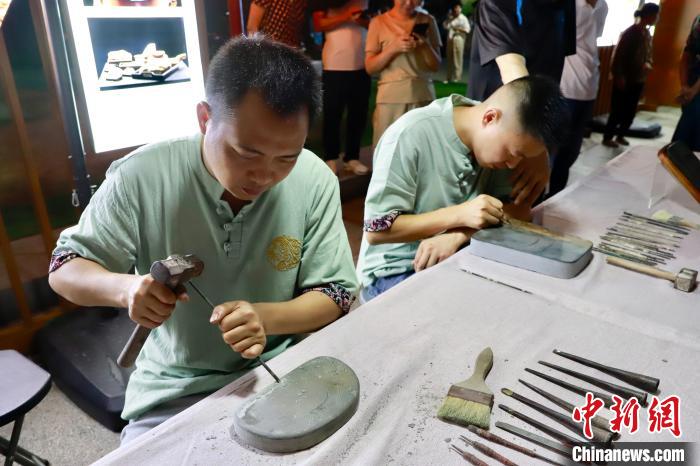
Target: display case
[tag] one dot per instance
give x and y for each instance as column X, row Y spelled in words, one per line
column 139, row 68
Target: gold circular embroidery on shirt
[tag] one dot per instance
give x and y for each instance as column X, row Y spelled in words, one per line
column 284, row 253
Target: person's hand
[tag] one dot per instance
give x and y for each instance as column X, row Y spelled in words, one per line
column 687, row 94
column 480, row 212
column 151, row 303
column 402, row 44
column 620, row 82
column 241, row 327
column 529, row 179
column 684, row 96
column 418, row 40
column 438, row 248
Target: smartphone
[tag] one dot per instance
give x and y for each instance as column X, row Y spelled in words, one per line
column 420, row 29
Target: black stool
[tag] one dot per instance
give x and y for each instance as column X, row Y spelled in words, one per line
column 23, row 385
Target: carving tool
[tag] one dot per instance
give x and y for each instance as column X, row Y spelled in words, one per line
column 259, row 359
column 599, row 435
column 598, row 421
column 623, row 392
column 487, row 451
column 621, row 255
column 653, row 228
column 637, row 246
column 556, row 447
column 607, row 399
column 490, row 436
column 643, row 249
column 684, row 280
column 172, row 272
column 495, row 281
column 469, row 402
column 645, row 382
column 627, row 252
column 542, row 427
column 468, row 456
column 642, row 236
column 642, row 243
column 670, row 226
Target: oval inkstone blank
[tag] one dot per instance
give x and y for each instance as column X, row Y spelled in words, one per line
column 307, row 406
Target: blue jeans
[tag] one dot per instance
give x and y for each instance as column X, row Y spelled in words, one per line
column 381, row 285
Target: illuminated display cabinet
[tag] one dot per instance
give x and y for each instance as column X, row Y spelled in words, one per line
column 140, row 69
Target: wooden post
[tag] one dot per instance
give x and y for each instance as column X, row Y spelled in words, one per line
column 8, row 82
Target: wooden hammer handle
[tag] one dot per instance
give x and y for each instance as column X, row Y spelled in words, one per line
column 131, row 350
column 641, row 268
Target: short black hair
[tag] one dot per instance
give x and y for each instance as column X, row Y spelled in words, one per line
column 648, row 9
column 542, row 109
column 284, row 77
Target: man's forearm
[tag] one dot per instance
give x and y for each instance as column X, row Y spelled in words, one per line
column 255, row 16
column 415, row 227
column 87, row 283
column 306, row 313
column 323, row 23
column 512, row 66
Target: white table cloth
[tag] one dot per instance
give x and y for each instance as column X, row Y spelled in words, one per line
column 616, row 295
column 410, row 344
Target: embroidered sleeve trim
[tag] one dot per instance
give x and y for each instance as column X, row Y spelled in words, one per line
column 59, row 258
column 382, row 223
column 338, row 293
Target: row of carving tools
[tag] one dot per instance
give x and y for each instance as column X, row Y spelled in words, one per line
column 556, row 441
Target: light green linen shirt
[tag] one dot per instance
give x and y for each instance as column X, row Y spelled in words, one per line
column 161, row 200
column 420, row 165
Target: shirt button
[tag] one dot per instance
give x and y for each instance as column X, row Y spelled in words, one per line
column 228, row 227
column 227, row 247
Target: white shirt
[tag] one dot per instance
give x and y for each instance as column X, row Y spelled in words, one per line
column 452, row 24
column 344, row 49
column 579, row 81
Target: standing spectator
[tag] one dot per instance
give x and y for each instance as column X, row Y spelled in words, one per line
column 346, row 84
column 280, row 20
column 457, row 26
column 514, row 38
column 688, row 129
column 579, row 85
column 403, row 48
column 630, row 65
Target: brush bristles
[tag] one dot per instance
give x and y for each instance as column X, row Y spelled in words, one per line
column 465, row 412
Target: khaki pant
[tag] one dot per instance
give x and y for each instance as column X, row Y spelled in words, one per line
column 386, row 114
column 455, row 57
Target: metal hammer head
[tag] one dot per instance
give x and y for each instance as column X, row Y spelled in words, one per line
column 686, row 280
column 176, row 270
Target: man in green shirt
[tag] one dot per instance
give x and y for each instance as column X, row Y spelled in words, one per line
column 262, row 213
column 443, row 171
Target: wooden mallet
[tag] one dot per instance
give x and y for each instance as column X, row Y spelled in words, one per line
column 685, row 280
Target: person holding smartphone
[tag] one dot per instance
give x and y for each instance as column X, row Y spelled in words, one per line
column 403, row 49
column 346, row 84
